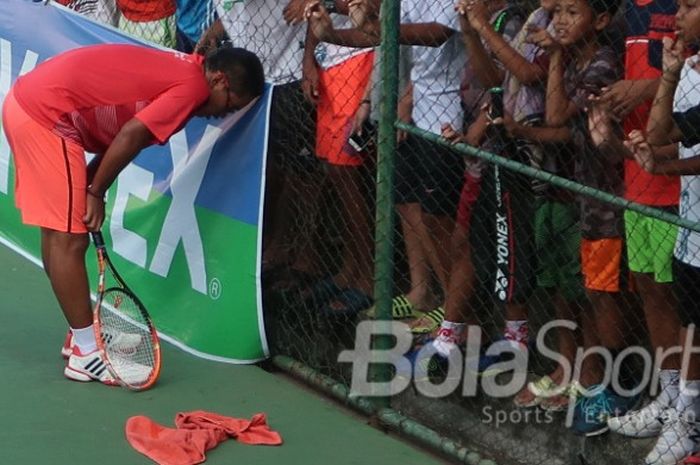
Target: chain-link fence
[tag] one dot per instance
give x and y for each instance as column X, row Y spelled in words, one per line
column 506, row 184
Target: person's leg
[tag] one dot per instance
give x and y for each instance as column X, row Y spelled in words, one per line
column 414, row 234
column 356, row 270
column 65, row 254
column 679, row 436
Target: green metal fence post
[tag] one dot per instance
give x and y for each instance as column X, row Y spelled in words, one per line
column 384, row 220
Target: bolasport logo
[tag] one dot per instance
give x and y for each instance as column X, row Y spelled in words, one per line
column 463, row 369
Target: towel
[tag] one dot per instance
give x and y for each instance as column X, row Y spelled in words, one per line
column 196, row 432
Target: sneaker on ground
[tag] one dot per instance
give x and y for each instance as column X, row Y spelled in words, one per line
column 88, row 367
column 678, row 439
column 643, row 423
column 592, row 412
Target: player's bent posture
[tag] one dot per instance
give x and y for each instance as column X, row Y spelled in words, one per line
column 111, row 100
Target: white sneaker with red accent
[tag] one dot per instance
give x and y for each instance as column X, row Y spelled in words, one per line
column 88, row 367
column 68, row 344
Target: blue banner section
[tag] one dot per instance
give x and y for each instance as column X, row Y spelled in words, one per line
column 237, row 156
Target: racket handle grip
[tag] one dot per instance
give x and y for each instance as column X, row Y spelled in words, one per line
column 98, row 240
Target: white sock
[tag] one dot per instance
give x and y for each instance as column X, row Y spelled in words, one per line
column 446, row 340
column 688, row 405
column 669, row 381
column 516, row 330
column 85, row 339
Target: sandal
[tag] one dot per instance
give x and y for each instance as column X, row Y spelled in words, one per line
column 401, row 308
column 560, row 402
column 531, row 394
column 353, row 301
column 429, row 322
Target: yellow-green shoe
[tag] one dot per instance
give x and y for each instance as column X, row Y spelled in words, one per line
column 429, row 322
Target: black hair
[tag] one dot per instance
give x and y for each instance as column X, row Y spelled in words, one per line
column 243, row 69
column 605, row 6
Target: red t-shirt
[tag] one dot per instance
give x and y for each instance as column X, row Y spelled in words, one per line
column 86, row 95
column 648, row 22
column 146, row 10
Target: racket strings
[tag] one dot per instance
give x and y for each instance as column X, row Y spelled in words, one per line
column 127, row 339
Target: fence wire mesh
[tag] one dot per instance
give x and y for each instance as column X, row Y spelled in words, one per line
column 544, row 172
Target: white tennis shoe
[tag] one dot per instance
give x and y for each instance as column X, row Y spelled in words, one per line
column 88, row 367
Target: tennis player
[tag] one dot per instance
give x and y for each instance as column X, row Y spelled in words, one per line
column 113, row 101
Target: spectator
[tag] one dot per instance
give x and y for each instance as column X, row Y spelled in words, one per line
column 674, row 118
column 259, row 25
column 487, row 30
column 551, row 256
column 578, row 67
column 649, row 241
column 427, row 175
column 343, row 81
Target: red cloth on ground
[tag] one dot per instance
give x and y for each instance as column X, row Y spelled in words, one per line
column 197, row 432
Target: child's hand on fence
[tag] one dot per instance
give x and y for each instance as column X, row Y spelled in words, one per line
column 542, row 38
column 319, row 20
column 451, row 134
column 624, row 96
column 508, row 123
column 294, row 11
column 461, row 9
column 476, row 13
column 642, row 151
column 673, row 56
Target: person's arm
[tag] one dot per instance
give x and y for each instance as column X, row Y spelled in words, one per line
column 661, row 129
column 541, row 134
column 625, row 95
column 133, row 137
column 559, row 109
column 424, row 34
column 309, row 75
column 473, row 20
column 526, row 73
column 484, row 68
column 210, row 37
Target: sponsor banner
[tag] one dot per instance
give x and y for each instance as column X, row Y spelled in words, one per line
column 183, row 219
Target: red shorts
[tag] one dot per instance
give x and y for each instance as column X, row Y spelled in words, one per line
column 50, row 172
column 601, row 264
column 340, row 91
column 467, row 199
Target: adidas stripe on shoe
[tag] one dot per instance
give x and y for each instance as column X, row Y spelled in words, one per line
column 88, row 367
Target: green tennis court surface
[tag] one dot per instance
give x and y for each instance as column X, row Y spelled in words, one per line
column 50, row 420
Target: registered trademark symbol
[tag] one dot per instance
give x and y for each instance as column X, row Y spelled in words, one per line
column 215, row 288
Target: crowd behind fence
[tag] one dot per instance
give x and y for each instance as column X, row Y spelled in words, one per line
column 544, row 178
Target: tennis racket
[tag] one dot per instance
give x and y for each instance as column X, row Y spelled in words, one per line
column 124, row 331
